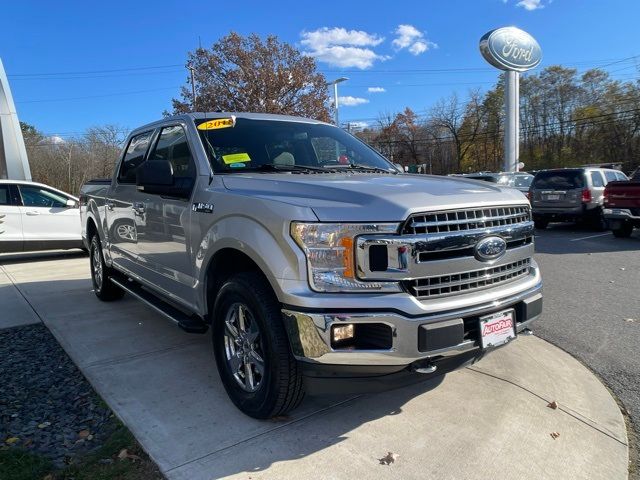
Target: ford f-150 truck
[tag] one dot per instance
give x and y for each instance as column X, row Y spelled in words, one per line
column 316, row 265
column 622, row 205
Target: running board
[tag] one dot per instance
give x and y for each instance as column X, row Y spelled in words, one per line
column 191, row 324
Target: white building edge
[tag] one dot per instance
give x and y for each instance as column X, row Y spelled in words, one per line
column 14, row 163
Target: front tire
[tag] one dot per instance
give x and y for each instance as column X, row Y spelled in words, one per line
column 104, row 289
column 624, row 230
column 251, row 347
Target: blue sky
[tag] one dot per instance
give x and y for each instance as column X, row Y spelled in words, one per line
column 73, row 65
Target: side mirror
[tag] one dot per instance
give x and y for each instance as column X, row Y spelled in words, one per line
column 71, row 203
column 156, row 177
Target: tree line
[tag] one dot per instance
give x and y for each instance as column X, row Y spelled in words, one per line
column 566, row 119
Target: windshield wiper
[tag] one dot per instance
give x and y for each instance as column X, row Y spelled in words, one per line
column 367, row 168
column 274, row 167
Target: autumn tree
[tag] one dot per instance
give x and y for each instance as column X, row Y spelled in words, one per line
column 250, row 74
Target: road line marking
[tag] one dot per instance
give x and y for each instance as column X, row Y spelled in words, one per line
column 590, row 236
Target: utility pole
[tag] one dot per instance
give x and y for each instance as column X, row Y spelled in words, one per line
column 194, row 98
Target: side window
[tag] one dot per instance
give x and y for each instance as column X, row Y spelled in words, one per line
column 5, row 195
column 610, row 175
column 621, row 176
column 133, row 157
column 596, row 179
column 172, row 145
column 33, row 196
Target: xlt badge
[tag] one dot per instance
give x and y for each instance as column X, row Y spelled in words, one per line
column 201, row 207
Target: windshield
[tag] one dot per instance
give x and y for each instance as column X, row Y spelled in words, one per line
column 516, row 181
column 236, row 145
column 559, row 180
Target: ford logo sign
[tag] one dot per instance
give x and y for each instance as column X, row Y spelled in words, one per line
column 490, row 248
column 510, row 48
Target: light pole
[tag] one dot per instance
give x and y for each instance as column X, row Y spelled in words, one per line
column 335, row 97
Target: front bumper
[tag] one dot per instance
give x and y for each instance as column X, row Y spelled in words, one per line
column 310, row 332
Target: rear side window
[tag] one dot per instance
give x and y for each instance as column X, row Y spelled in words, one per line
column 610, row 175
column 621, row 176
column 596, row 179
column 559, row 180
column 133, row 157
column 5, row 195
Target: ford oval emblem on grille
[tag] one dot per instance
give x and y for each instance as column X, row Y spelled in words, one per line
column 490, row 248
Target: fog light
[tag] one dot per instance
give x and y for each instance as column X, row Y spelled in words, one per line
column 340, row 333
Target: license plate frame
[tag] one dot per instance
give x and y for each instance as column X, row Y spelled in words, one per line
column 497, row 329
column 552, row 196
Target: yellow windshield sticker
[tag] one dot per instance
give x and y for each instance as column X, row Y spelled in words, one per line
column 218, row 123
column 236, row 158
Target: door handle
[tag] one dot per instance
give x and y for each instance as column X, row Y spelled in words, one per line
column 33, row 214
column 138, row 208
column 110, row 204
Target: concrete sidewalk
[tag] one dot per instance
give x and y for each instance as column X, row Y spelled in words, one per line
column 487, row 421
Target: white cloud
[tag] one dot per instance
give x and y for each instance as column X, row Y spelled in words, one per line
column 530, row 4
column 376, row 90
column 342, row 48
column 358, row 125
column 409, row 37
column 350, row 101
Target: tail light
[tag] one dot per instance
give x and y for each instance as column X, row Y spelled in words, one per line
column 586, row 195
column 607, row 197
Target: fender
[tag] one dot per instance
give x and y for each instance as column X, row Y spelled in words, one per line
column 276, row 261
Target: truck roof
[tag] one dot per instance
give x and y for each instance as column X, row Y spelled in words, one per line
column 213, row 115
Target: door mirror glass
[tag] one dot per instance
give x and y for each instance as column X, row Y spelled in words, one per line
column 157, row 178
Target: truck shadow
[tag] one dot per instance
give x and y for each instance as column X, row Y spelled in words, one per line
column 43, row 256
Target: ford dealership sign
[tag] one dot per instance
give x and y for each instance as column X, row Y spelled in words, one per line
column 510, row 48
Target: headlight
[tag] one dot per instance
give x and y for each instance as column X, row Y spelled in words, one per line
column 329, row 248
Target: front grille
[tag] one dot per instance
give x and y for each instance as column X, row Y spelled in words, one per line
column 470, row 219
column 430, row 287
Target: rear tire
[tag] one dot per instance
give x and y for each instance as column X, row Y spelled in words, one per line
column 598, row 221
column 251, row 347
column 540, row 223
column 104, row 289
column 624, row 230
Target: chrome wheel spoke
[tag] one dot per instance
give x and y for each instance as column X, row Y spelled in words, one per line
column 234, row 364
column 242, row 325
column 256, row 356
column 248, row 376
column 231, row 329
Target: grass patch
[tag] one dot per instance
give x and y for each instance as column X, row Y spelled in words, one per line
column 102, row 464
column 20, row 465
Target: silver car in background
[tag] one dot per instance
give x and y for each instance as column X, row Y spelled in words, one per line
column 571, row 195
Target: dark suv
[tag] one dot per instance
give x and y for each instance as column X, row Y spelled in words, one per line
column 571, row 194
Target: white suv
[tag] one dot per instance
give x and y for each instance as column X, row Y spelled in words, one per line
column 37, row 217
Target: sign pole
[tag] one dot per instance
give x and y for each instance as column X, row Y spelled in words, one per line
column 512, row 121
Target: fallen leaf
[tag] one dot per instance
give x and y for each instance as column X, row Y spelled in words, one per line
column 630, row 320
column 48, row 477
column 389, row 458
column 554, row 435
column 124, row 454
column 622, row 268
column 44, row 425
column 84, row 433
column 553, row 405
column 11, row 440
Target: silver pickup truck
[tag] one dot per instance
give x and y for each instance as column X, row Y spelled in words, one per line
column 316, row 264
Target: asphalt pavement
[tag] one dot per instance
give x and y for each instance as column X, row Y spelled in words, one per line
column 592, row 308
column 491, row 420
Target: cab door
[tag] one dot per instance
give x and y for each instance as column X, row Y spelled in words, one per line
column 125, row 220
column 10, row 219
column 165, row 246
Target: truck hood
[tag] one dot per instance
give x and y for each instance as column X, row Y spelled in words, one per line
column 365, row 197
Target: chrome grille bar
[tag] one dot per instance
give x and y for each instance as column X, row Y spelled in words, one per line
column 430, row 287
column 468, row 219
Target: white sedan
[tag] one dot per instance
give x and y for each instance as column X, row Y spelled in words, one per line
column 34, row 216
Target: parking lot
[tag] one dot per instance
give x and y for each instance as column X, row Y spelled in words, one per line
column 592, row 306
column 163, row 384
